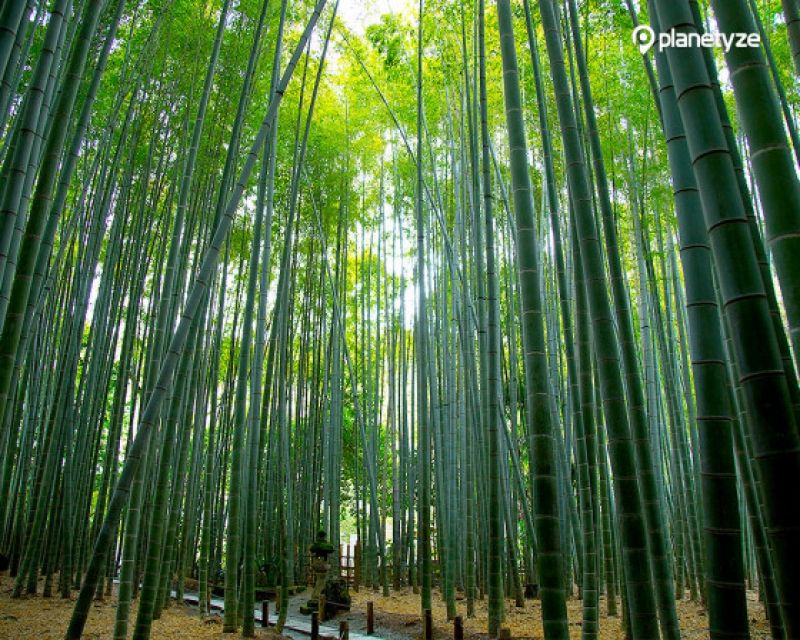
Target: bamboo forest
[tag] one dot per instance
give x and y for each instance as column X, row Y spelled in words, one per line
column 400, row 319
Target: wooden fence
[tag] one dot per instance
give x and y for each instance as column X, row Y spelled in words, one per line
column 350, row 563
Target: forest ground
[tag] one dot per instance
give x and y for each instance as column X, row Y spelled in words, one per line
column 396, row 618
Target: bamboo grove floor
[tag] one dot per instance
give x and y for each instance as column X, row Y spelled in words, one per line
column 396, row 618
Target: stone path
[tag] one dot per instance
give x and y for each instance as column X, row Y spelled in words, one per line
column 293, row 623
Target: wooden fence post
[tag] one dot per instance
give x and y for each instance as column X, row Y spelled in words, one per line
column 265, row 613
column 428, row 624
column 458, row 628
column 314, row 626
column 370, row 618
column 344, row 630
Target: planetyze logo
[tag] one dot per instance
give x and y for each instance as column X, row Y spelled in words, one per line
column 645, row 38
